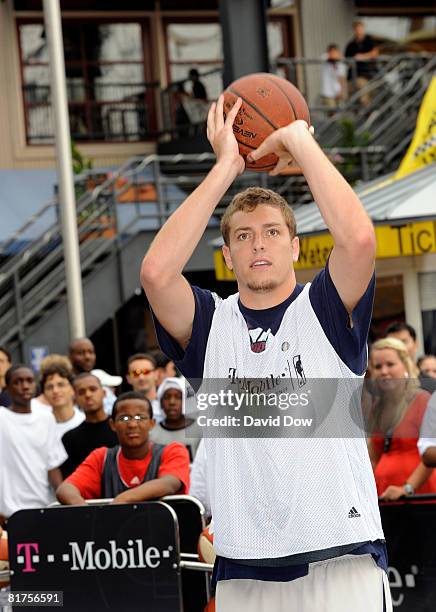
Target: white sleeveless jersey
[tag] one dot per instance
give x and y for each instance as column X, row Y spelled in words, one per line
column 276, row 497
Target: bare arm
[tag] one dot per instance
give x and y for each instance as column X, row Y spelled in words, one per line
column 351, row 262
column 417, row 478
column 161, row 271
column 69, row 495
column 368, row 55
column 153, row 489
column 429, row 457
column 55, row 477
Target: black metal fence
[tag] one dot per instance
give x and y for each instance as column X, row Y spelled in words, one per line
column 111, row 112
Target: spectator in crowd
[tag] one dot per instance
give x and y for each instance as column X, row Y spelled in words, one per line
column 83, row 357
column 394, row 422
column 427, row 365
column 199, row 488
column 57, row 386
column 135, row 470
column 95, row 431
column 141, row 376
column 30, row 449
column 361, row 48
column 176, row 426
column 198, row 89
column 53, row 359
column 165, row 367
column 407, row 334
column 5, row 364
column 333, row 78
column 427, row 437
column 108, row 381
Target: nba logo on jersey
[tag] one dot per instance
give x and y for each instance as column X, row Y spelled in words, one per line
column 299, row 370
column 258, row 339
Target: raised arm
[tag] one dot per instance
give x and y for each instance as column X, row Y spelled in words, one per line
column 167, row 290
column 351, row 262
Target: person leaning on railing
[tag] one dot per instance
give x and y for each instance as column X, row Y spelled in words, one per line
column 394, row 420
column 136, row 470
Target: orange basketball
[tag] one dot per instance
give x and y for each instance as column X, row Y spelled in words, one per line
column 4, row 558
column 206, row 551
column 268, row 103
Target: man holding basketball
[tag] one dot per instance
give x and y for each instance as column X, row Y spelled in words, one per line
column 297, row 525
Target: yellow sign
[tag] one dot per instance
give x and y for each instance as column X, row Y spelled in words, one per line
column 392, row 241
column 422, row 149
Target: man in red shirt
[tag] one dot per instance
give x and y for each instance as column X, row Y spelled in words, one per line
column 136, row 470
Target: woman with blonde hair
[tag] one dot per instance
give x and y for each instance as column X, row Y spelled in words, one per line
column 394, row 421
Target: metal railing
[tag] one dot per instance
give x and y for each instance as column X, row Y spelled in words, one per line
column 395, row 95
column 103, row 112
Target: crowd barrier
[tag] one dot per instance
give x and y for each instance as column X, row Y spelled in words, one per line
column 143, row 557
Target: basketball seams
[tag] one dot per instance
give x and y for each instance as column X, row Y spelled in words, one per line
column 267, row 78
column 259, row 112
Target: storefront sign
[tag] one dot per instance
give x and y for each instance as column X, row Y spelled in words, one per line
column 392, row 241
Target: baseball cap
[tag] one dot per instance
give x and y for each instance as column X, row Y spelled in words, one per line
column 107, row 380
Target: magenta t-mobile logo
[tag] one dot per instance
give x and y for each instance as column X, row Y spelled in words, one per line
column 31, row 555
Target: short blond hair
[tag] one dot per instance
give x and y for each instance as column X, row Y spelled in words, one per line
column 55, row 360
column 249, row 200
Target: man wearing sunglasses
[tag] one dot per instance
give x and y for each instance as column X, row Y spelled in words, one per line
column 141, row 376
column 136, row 470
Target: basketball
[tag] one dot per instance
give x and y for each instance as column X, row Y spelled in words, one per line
column 206, row 551
column 268, row 103
column 4, row 557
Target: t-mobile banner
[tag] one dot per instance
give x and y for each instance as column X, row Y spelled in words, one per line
column 120, row 557
column 411, row 542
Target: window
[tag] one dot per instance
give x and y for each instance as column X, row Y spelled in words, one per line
column 106, row 75
column 198, row 44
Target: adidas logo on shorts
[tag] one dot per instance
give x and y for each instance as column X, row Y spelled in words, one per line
column 353, row 513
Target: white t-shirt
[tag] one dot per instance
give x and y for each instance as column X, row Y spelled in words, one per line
column 330, row 78
column 36, row 404
column 29, row 448
column 198, row 486
column 77, row 418
column 427, row 435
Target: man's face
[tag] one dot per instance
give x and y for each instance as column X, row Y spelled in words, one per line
column 142, row 376
column 132, row 423
column 82, row 355
column 359, row 31
column 5, row 364
column 22, row 386
column 58, row 391
column 406, row 338
column 89, row 394
column 428, row 366
column 172, row 404
column 260, row 249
